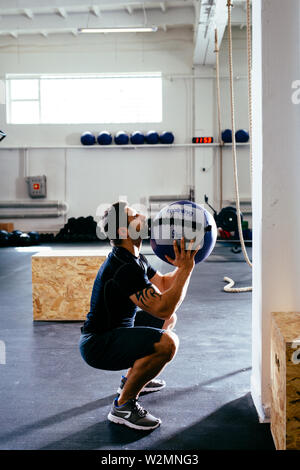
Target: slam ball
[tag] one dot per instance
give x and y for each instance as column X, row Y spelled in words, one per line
column 87, row 138
column 104, row 138
column 152, row 137
column 183, row 219
column 137, row 138
column 121, row 138
column 227, row 136
column 242, row 136
column 166, row 137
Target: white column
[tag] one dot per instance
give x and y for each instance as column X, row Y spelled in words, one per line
column 276, row 179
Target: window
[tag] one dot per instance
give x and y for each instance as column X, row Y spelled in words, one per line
column 73, row 99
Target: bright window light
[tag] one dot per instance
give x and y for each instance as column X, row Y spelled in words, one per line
column 85, row 99
column 25, row 112
column 24, row 89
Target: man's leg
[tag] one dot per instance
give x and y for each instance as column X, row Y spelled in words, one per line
column 146, row 368
column 168, row 325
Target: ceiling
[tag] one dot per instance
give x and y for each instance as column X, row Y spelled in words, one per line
column 44, row 18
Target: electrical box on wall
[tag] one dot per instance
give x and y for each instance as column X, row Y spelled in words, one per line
column 36, row 186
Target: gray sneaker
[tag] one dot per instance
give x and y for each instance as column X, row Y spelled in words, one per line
column 153, row 386
column 133, row 415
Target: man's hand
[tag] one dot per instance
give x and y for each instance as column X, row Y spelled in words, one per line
column 183, row 258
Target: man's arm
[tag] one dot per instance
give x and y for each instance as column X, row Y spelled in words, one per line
column 163, row 303
column 164, row 281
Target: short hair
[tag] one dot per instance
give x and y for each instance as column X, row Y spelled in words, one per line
column 114, row 218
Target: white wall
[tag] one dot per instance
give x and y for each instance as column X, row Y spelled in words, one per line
column 87, row 177
column 276, row 189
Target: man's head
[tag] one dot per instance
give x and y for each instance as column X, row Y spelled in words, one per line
column 121, row 222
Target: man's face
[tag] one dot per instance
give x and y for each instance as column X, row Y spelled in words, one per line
column 136, row 221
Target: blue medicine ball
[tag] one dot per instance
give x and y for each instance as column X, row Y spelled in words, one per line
column 166, row 137
column 121, row 138
column 137, row 138
column 4, row 238
column 242, row 135
column 104, row 138
column 152, row 137
column 87, row 138
column 183, row 219
column 34, row 237
column 227, row 136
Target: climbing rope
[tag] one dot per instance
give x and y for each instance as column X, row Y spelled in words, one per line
column 229, row 287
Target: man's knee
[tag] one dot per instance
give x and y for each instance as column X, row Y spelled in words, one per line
column 168, row 345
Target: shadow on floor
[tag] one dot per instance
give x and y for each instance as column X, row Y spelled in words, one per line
column 234, row 426
column 60, row 417
column 101, row 435
column 92, row 437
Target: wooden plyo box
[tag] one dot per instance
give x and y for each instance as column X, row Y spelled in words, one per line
column 62, row 283
column 8, row 226
column 285, row 380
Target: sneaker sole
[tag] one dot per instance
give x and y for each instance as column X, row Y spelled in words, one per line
column 117, row 420
column 145, row 389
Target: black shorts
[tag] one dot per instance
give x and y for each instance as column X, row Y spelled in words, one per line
column 118, row 349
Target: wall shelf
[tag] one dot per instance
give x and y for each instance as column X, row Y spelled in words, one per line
column 128, row 147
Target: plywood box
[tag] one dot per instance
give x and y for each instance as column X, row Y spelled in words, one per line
column 62, row 283
column 9, row 226
column 285, row 380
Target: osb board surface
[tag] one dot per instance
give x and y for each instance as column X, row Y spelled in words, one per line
column 289, row 325
column 278, row 388
column 54, row 253
column 292, row 398
column 62, row 286
column 285, row 381
column 8, row 226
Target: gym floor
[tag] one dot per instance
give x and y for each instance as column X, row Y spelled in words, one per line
column 51, row 399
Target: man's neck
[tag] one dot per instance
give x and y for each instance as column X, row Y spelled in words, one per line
column 133, row 248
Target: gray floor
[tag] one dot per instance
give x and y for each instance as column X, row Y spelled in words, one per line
column 51, row 399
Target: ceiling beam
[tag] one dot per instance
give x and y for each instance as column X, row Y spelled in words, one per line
column 62, row 12
column 28, row 13
column 176, row 17
column 213, row 14
column 163, row 7
column 95, row 9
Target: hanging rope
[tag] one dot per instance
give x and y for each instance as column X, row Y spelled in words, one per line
column 219, row 117
column 229, row 287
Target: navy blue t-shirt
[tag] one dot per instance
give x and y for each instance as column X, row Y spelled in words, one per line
column 121, row 275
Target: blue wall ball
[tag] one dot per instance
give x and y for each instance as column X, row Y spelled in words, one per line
column 121, row 138
column 104, row 138
column 166, row 137
column 137, row 138
column 227, row 136
column 34, row 237
column 183, row 218
column 242, row 136
column 152, row 137
column 87, row 138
